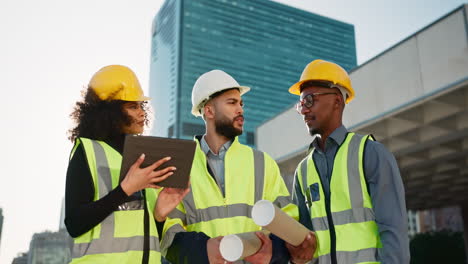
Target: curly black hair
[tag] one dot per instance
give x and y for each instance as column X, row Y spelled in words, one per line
column 100, row 119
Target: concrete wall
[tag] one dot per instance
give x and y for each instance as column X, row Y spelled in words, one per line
column 423, row 64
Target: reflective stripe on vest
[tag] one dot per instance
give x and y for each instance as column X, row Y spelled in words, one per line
column 213, row 213
column 359, row 256
column 108, row 237
column 357, row 237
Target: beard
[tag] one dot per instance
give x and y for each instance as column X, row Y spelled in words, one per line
column 225, row 127
column 314, row 130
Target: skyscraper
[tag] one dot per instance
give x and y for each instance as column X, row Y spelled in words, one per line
column 261, row 43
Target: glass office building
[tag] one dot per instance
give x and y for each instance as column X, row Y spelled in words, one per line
column 263, row 44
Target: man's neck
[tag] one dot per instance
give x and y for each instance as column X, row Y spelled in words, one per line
column 215, row 141
column 324, row 135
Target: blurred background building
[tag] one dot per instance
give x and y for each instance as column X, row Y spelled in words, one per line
column 438, row 219
column 50, row 248
column 262, row 44
column 22, row 258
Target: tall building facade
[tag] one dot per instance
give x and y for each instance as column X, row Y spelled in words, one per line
column 261, row 43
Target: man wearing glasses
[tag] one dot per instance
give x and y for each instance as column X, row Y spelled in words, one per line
column 348, row 189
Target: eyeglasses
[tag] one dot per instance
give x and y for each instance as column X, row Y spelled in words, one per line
column 308, row 101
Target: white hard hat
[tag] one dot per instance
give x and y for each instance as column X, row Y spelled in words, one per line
column 210, row 83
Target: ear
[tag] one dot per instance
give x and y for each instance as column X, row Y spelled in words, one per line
column 339, row 100
column 209, row 111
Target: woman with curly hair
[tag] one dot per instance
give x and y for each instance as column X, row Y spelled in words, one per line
column 112, row 220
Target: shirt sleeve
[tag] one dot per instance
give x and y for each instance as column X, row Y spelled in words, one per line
column 81, row 212
column 388, row 199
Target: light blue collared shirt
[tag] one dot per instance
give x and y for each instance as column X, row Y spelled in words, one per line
column 216, row 162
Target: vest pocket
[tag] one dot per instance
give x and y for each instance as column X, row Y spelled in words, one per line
column 314, row 192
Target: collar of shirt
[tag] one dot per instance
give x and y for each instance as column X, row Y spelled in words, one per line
column 206, row 148
column 336, row 137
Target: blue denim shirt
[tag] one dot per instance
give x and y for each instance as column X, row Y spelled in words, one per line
column 385, row 187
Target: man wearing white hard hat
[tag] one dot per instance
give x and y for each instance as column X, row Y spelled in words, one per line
column 227, row 178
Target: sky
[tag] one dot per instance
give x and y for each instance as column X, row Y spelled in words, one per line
column 49, row 50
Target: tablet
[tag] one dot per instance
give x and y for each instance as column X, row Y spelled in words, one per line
column 181, row 152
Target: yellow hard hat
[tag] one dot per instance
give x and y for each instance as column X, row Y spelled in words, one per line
column 320, row 70
column 117, row 82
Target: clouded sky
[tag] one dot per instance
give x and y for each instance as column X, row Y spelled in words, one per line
column 49, row 50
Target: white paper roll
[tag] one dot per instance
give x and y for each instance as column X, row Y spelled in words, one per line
column 266, row 214
column 231, row 248
column 239, row 246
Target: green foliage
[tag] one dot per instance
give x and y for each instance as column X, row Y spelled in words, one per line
column 438, row 247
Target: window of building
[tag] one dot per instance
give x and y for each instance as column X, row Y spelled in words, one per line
column 250, row 138
column 190, row 129
column 170, row 131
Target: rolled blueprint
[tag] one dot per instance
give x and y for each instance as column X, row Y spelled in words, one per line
column 265, row 214
column 239, row 246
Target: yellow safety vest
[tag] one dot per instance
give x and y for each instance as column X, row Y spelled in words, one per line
column 119, row 237
column 349, row 208
column 250, row 175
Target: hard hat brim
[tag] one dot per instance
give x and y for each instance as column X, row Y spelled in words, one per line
column 139, row 99
column 242, row 90
column 144, row 98
column 296, row 88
